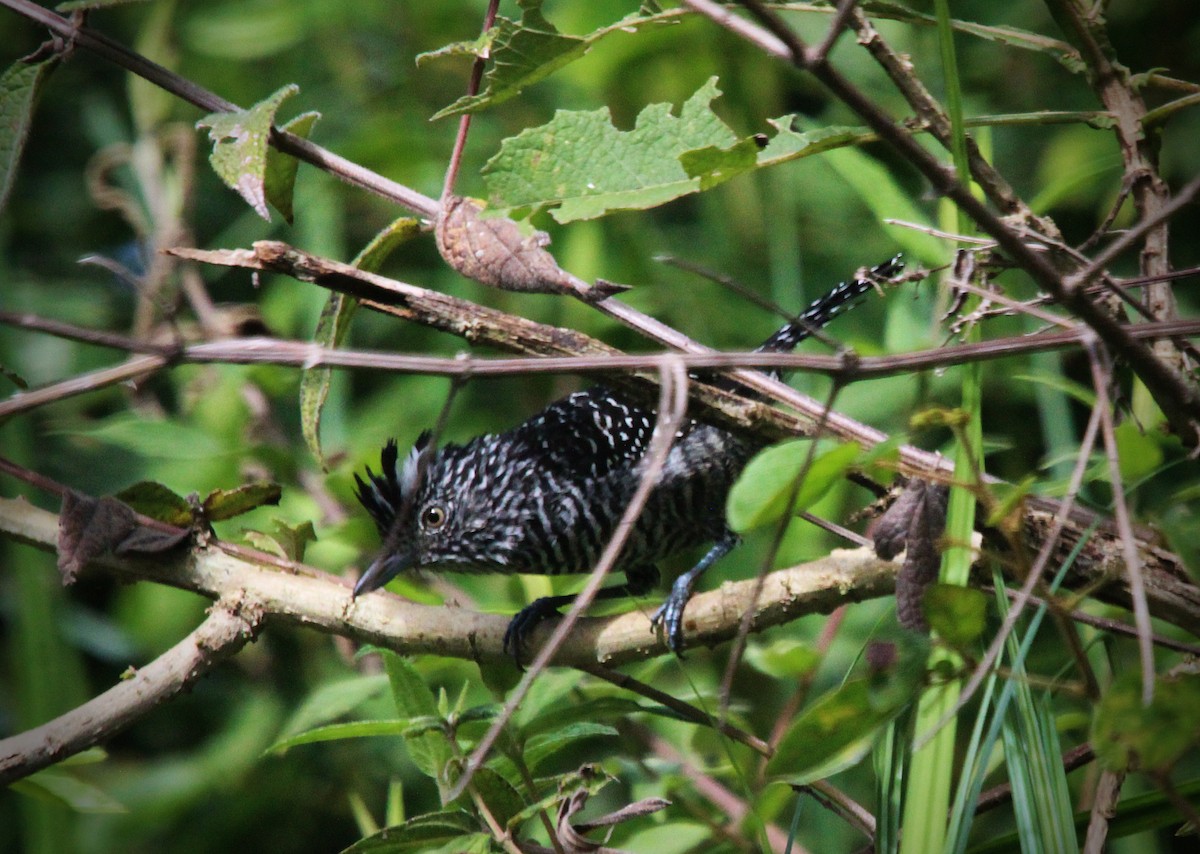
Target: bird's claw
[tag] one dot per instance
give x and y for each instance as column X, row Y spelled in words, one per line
column 670, row 616
column 521, row 626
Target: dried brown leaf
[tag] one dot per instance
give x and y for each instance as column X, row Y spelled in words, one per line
column 913, row 524
column 88, row 528
column 494, row 252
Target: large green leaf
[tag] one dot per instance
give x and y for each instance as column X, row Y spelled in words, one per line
column 430, row 751
column 761, row 495
column 582, row 166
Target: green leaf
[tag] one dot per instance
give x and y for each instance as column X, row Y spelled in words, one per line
column 430, row 751
column 334, row 699
column 784, row 658
column 1139, row 454
column 1128, row 735
column 19, row 88
column 581, row 165
column 958, row 614
column 240, row 147
column 422, row 834
column 542, row 747
column 529, row 50
column 158, row 502
column 354, row 729
column 760, row 495
column 287, row 541
column 504, row 801
column 522, row 54
column 70, row 791
column 839, row 728
column 333, row 325
column 221, row 504
column 279, row 179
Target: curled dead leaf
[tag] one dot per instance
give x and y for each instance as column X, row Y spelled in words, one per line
column 91, row 527
column 913, row 524
column 494, row 252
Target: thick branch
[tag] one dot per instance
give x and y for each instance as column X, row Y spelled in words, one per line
column 323, row 602
column 233, row 622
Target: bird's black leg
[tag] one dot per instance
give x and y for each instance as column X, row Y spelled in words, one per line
column 639, row 580
column 670, row 614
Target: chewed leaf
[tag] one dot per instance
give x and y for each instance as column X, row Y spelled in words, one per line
column 522, row 54
column 584, row 167
column 240, row 147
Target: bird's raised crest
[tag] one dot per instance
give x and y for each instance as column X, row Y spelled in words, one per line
column 384, row 495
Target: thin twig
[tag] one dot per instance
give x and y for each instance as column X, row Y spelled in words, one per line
column 1101, row 377
column 841, row 17
column 464, row 121
column 687, row 710
column 230, row 625
column 1104, row 807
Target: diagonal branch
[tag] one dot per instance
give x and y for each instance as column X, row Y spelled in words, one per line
column 231, row 624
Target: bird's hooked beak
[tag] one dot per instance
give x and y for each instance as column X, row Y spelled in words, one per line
column 382, row 570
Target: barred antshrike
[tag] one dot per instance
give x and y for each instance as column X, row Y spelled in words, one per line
column 546, row 496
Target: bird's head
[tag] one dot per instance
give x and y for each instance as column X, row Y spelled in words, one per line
column 441, row 508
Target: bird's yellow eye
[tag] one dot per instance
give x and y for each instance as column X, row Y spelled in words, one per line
column 433, row 517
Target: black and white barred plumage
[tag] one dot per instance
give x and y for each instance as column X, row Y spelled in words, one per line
column 546, row 496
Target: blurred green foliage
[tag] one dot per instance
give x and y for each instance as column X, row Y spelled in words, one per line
column 195, row 776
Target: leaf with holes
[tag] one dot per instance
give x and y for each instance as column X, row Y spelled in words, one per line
column 240, row 145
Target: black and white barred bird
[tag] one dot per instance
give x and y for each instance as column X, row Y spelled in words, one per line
column 546, row 496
